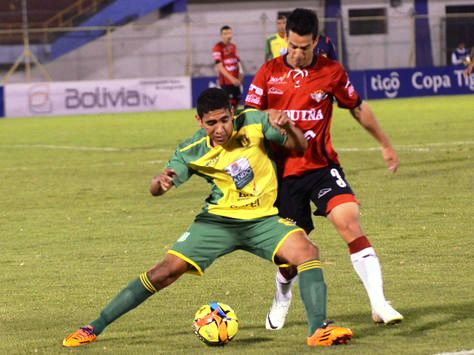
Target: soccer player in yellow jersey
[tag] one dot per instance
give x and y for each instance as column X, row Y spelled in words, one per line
column 276, row 44
column 231, row 155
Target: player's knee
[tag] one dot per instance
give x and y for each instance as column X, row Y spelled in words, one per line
column 310, row 252
column 303, row 251
column 347, row 224
column 351, row 227
column 165, row 273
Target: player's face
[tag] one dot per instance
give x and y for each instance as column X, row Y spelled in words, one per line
column 300, row 49
column 226, row 36
column 218, row 125
column 281, row 25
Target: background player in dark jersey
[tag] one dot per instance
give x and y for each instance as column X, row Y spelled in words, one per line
column 304, row 86
column 239, row 214
column 325, row 47
column 276, row 44
column 227, row 64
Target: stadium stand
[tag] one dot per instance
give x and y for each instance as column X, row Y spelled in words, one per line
column 47, row 17
column 43, row 14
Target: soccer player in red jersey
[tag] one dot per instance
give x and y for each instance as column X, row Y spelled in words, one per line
column 304, row 86
column 227, row 64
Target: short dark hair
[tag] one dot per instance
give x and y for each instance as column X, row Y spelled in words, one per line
column 226, row 27
column 212, row 99
column 303, row 22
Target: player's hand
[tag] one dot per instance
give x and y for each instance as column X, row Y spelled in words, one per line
column 236, row 81
column 391, row 158
column 279, row 119
column 162, row 183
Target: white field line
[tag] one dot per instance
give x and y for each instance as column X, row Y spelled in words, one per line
column 409, row 147
column 90, row 166
column 428, row 147
column 462, row 352
column 78, row 148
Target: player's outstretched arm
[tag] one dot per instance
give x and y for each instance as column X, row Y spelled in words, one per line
column 162, row 183
column 280, row 120
column 364, row 115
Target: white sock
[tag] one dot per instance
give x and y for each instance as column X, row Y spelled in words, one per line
column 283, row 287
column 367, row 266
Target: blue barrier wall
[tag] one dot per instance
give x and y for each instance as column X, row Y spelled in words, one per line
column 389, row 83
column 423, row 52
column 202, row 83
column 394, row 83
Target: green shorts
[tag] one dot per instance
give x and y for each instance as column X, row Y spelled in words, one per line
column 211, row 236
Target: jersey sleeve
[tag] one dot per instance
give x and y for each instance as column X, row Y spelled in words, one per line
column 255, row 117
column 346, row 95
column 181, row 168
column 257, row 94
column 217, row 53
column 271, row 133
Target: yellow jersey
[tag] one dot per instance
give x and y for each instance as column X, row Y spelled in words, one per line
column 275, row 46
column 242, row 176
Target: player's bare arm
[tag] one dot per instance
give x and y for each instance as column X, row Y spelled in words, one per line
column 162, row 183
column 364, row 115
column 241, row 73
column 220, row 68
column 469, row 68
column 280, row 120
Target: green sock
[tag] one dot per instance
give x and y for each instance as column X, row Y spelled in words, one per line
column 130, row 297
column 313, row 293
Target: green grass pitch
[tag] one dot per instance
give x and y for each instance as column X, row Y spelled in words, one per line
column 77, row 224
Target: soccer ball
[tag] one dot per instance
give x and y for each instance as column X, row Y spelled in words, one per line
column 215, row 324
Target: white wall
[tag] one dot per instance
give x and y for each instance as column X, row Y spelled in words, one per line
column 391, row 50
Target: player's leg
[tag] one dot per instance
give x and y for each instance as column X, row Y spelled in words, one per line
column 281, row 241
column 137, row 291
column 237, row 93
column 293, row 203
column 335, row 199
column 194, row 251
column 298, row 250
column 231, row 92
column 345, row 218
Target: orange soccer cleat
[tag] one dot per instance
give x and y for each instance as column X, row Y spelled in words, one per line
column 82, row 336
column 327, row 336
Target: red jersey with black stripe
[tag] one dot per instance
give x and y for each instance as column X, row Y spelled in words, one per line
column 306, row 95
column 227, row 55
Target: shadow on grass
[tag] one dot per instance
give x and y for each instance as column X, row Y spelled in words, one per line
column 413, row 324
column 141, row 340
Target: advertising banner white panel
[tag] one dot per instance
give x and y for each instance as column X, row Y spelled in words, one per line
column 90, row 97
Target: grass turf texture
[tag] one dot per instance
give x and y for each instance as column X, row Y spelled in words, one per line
column 77, row 224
